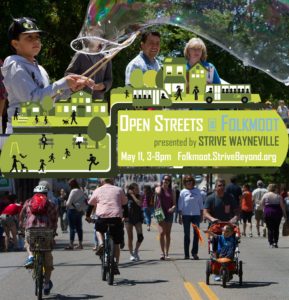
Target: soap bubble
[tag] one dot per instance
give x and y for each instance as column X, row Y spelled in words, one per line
column 255, row 31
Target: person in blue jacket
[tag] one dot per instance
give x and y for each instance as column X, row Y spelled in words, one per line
column 24, row 79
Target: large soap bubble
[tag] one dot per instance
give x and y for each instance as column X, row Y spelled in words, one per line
column 255, row 31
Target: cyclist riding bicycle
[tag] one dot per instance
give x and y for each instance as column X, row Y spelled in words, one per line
column 108, row 200
column 39, row 211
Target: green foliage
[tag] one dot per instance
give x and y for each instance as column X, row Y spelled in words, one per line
column 149, row 78
column 96, row 130
column 137, row 78
column 47, row 104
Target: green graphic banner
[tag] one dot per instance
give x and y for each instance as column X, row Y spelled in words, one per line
column 179, row 138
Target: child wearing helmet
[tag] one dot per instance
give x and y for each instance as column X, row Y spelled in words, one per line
column 38, row 211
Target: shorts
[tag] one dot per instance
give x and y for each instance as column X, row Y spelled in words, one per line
column 116, row 230
column 259, row 215
column 246, row 216
column 8, row 222
column 169, row 218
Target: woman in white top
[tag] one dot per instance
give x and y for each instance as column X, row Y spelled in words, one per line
column 190, row 212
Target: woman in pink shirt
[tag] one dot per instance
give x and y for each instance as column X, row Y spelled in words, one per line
column 166, row 199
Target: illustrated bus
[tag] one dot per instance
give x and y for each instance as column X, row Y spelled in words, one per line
column 151, row 97
column 228, row 92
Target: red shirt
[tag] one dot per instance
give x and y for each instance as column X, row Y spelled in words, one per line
column 247, row 201
column 12, row 209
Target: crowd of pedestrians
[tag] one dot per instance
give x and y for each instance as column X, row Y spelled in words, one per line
column 131, row 207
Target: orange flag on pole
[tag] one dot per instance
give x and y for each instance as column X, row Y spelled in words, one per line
column 198, row 232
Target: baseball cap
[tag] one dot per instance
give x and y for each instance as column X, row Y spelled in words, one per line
column 22, row 25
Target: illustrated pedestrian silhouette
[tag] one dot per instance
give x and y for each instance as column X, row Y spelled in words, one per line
column 126, row 93
column 16, row 113
column 196, row 92
column 67, row 153
column 45, row 120
column 23, row 167
column 178, row 93
column 44, row 140
column 163, row 96
column 73, row 117
column 79, row 140
column 51, row 157
column 14, row 165
column 36, row 119
column 92, row 160
column 42, row 165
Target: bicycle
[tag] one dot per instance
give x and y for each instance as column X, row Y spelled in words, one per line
column 107, row 258
column 40, row 240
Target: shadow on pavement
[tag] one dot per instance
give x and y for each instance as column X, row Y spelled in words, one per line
column 137, row 263
column 248, row 284
column 135, row 282
column 72, row 297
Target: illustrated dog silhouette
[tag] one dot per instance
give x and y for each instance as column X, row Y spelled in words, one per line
column 65, row 122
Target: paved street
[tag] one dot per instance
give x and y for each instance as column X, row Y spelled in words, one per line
column 77, row 273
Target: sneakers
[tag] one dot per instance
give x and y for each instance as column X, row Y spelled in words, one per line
column 251, row 234
column 136, row 256
column 217, row 278
column 99, row 250
column 47, row 287
column 29, row 262
column 275, row 245
column 132, row 258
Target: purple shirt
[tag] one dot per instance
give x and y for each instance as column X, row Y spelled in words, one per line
column 166, row 200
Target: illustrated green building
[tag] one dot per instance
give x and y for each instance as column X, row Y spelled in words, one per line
column 82, row 103
column 174, row 75
column 31, row 109
column 197, row 78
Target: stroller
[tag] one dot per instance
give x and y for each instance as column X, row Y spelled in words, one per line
column 225, row 267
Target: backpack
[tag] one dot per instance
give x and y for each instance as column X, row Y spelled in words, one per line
column 38, row 204
column 81, row 203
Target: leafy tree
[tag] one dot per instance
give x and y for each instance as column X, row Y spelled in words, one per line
column 47, row 104
column 137, row 78
column 149, row 78
column 96, row 130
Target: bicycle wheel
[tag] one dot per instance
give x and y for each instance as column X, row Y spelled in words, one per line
column 224, row 275
column 103, row 265
column 110, row 262
column 39, row 276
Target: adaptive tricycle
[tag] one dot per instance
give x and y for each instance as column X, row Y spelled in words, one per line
column 223, row 246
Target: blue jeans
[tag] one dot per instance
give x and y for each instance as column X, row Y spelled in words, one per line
column 147, row 212
column 187, row 220
column 75, row 224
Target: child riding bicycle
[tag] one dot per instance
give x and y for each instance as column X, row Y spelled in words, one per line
column 39, row 212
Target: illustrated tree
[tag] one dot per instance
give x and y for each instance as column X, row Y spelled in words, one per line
column 96, row 130
column 47, row 104
column 137, row 78
column 149, row 78
column 159, row 79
